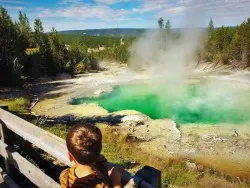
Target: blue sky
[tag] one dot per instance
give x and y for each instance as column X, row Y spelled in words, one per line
column 92, row 14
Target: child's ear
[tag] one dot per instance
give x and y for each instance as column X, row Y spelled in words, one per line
column 70, row 157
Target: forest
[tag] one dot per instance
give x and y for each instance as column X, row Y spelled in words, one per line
column 223, row 45
column 27, row 52
column 30, row 53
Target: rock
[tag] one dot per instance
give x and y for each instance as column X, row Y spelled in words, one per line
column 178, row 132
column 135, row 118
column 215, row 140
column 132, row 138
column 200, row 168
column 140, row 123
column 212, row 138
column 236, row 134
column 191, row 166
column 98, row 92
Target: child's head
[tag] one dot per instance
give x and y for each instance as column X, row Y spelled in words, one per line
column 84, row 143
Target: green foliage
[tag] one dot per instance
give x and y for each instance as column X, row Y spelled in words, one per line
column 160, row 23
column 80, row 67
column 210, row 28
column 33, row 54
column 58, row 49
column 24, row 29
column 178, row 174
column 27, row 54
column 39, row 32
column 17, row 105
column 11, row 50
column 57, row 129
column 100, row 47
column 77, row 53
column 222, row 57
column 225, row 44
column 32, row 51
column 240, row 45
column 95, row 41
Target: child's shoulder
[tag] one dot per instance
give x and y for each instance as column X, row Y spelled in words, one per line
column 68, row 179
column 65, row 178
column 66, row 172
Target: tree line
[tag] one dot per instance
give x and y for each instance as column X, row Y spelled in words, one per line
column 27, row 53
column 109, row 48
column 30, row 53
column 225, row 45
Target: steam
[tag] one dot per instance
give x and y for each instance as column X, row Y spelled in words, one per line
column 163, row 53
column 166, row 57
column 157, row 52
column 167, row 60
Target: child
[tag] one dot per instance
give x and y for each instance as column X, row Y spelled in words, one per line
column 84, row 143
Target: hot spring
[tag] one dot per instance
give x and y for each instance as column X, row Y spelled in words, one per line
column 196, row 103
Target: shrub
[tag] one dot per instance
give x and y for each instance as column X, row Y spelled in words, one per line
column 80, row 67
column 222, row 58
column 32, row 51
column 18, row 105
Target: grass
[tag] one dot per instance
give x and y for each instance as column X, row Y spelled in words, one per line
column 174, row 170
column 216, row 172
column 230, row 167
column 17, row 105
column 57, row 129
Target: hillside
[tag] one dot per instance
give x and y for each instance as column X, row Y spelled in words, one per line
column 130, row 32
column 106, row 32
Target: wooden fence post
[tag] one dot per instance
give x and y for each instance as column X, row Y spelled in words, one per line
column 3, row 135
column 150, row 175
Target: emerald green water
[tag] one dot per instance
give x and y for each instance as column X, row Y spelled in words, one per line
column 195, row 104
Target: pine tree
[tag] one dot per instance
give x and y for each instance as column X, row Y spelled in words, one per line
column 247, row 37
column 48, row 66
column 77, row 54
column 160, row 22
column 59, row 51
column 39, row 32
column 168, row 27
column 210, row 28
column 10, row 50
column 208, row 52
column 25, row 29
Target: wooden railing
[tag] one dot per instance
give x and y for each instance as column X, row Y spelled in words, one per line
column 51, row 144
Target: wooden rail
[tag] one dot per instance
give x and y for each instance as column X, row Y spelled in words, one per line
column 49, row 143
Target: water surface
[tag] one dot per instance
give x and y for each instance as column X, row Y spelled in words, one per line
column 194, row 104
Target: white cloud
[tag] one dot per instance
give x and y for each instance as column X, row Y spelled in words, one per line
column 176, row 10
column 14, row 8
column 107, row 1
column 151, row 5
column 110, row 1
column 214, row 9
column 84, row 11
